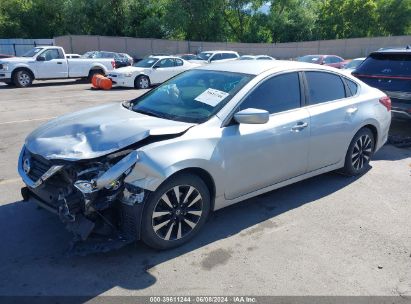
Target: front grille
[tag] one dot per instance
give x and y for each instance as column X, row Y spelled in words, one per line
column 39, row 166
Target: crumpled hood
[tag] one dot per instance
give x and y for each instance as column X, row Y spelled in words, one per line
column 96, row 132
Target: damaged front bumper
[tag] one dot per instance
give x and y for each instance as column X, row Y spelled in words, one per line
column 104, row 213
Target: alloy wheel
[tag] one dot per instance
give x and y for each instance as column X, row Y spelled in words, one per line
column 24, row 79
column 361, row 153
column 177, row 212
column 144, row 83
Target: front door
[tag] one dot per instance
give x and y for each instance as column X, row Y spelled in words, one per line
column 54, row 66
column 260, row 155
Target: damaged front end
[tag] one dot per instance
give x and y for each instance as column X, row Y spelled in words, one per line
column 91, row 197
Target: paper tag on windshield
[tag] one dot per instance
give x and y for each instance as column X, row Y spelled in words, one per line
column 212, row 97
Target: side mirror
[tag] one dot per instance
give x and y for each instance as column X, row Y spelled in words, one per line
column 252, row 116
column 156, row 67
column 41, row 58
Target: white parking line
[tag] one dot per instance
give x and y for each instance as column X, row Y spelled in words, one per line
column 26, row 120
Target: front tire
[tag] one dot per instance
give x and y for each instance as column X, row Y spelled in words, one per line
column 175, row 212
column 142, row 82
column 22, row 79
column 359, row 153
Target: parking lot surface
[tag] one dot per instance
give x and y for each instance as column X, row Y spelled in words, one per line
column 329, row 235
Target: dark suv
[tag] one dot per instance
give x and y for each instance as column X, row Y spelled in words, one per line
column 390, row 71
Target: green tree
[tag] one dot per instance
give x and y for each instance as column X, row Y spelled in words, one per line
column 347, row 19
column 394, row 17
column 195, row 19
column 292, row 20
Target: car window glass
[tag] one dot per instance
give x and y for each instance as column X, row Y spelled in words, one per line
column 277, row 94
column 166, row 63
column 51, row 54
column 352, row 86
column 179, row 62
column 216, row 57
column 328, row 60
column 324, row 87
column 386, row 64
column 228, row 56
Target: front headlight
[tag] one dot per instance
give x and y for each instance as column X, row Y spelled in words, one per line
column 4, row 67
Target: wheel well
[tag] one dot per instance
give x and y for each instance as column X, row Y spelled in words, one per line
column 96, row 69
column 205, row 176
column 22, row 69
column 140, row 75
column 374, row 131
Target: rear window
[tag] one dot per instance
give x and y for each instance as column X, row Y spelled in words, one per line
column 324, row 87
column 386, row 65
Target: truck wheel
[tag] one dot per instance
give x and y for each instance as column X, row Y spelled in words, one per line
column 22, row 79
column 94, row 72
column 142, row 82
column 175, row 212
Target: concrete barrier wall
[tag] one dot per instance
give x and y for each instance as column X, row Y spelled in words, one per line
column 140, row 47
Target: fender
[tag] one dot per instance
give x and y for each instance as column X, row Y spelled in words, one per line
column 24, row 66
column 97, row 66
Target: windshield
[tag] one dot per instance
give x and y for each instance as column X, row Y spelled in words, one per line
column 310, row 58
column 146, row 63
column 33, row 52
column 204, row 55
column 353, row 64
column 193, row 96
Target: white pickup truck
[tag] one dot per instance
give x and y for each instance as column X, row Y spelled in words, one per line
column 50, row 62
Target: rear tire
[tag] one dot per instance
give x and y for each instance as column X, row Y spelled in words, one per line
column 22, row 78
column 359, row 153
column 142, row 82
column 175, row 212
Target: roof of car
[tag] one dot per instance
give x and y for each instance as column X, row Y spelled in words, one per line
column 162, row 57
column 255, row 67
column 394, row 50
column 219, row 51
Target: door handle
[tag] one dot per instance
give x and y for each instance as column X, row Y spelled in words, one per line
column 59, row 62
column 299, row 126
column 352, row 110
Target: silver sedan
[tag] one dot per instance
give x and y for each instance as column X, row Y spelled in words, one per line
column 153, row 168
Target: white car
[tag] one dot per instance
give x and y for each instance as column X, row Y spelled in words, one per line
column 353, row 64
column 149, row 71
column 50, row 62
column 215, row 56
column 258, row 57
column 73, row 56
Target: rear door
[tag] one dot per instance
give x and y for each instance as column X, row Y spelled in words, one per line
column 332, row 118
column 54, row 66
column 163, row 70
column 260, row 155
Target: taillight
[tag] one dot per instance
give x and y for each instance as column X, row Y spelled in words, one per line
column 113, row 64
column 386, row 102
